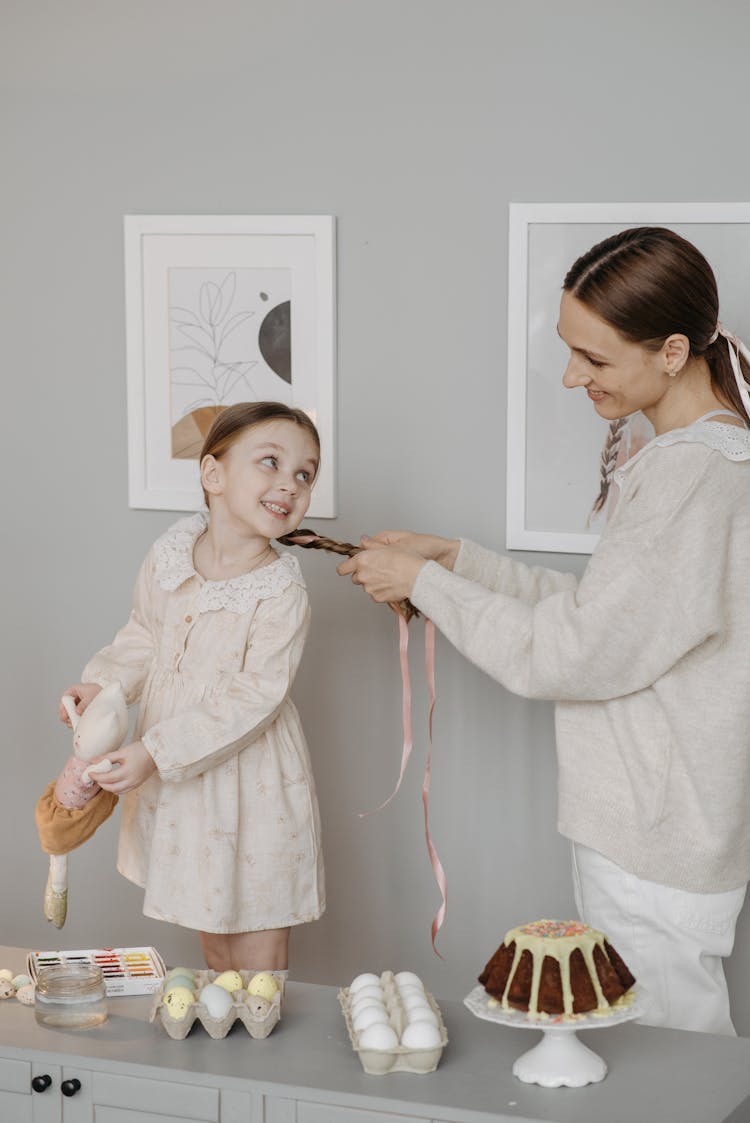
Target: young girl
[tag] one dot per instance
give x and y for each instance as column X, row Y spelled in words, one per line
column 220, row 821
column 647, row 656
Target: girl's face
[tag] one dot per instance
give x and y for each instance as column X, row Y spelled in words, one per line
column 619, row 377
column 265, row 478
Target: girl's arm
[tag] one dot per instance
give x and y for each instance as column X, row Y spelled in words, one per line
column 128, row 658
column 231, row 719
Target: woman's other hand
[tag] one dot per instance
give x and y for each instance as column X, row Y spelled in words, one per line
column 387, row 573
column 82, row 693
column 429, row 546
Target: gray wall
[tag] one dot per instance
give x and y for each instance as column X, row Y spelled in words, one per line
column 415, row 122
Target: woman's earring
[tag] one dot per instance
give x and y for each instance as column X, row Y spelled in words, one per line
column 672, row 373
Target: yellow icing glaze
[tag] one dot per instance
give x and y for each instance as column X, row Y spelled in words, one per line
column 546, row 937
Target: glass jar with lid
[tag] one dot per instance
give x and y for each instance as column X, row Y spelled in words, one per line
column 72, row 995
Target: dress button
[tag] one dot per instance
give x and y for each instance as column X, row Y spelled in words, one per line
column 188, row 619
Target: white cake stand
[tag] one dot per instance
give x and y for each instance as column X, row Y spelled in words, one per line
column 559, row 1059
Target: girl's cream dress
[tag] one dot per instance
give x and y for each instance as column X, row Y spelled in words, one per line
column 225, row 836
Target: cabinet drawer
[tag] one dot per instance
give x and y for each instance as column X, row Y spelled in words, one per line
column 15, row 1076
column 323, row 1113
column 16, row 1107
column 165, row 1098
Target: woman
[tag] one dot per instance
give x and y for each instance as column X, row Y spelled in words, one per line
column 647, row 656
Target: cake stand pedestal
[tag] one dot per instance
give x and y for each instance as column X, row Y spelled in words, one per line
column 559, row 1059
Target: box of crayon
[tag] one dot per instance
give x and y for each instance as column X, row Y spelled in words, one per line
column 125, row 970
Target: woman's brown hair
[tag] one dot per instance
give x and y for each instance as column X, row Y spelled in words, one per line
column 233, row 421
column 649, row 283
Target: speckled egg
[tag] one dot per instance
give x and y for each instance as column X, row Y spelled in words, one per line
column 178, row 1001
column 216, row 1000
column 6, row 988
column 263, row 985
column 25, row 995
column 258, row 1006
column 229, row 980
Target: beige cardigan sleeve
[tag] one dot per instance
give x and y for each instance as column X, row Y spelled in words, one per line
column 128, row 658
column 638, row 621
column 232, row 718
column 502, row 574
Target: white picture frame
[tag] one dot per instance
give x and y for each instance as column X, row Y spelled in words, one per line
column 554, row 436
column 224, row 308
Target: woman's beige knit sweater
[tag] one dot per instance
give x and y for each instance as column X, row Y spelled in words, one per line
column 647, row 658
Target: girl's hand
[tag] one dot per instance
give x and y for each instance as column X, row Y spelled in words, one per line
column 430, row 546
column 133, row 766
column 83, row 693
column 387, row 573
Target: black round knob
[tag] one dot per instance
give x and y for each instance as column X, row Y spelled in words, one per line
column 41, row 1083
column 70, row 1087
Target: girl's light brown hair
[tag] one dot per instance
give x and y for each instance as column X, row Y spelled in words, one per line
column 233, row 421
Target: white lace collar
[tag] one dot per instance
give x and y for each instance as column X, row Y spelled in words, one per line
column 174, row 565
column 731, row 441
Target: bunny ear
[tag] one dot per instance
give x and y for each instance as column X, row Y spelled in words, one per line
column 69, row 706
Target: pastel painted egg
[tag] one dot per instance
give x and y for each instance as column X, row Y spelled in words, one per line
column 369, row 1016
column 378, row 1037
column 6, row 973
column 187, row 981
column 258, row 1006
column 216, row 1000
column 19, row 981
column 229, row 980
column 263, row 985
column 408, row 978
column 187, row 971
column 420, row 1035
column 25, row 995
column 177, row 1002
column 367, row 979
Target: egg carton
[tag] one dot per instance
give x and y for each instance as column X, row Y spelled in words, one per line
column 257, row 1027
column 400, row 1058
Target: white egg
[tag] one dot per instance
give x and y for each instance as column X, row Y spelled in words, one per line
column 370, row 1016
column 378, row 1037
column 366, row 1004
column 410, row 988
column 414, row 1001
column 370, row 991
column 421, row 1014
column 363, row 981
column 216, row 1000
column 404, row 978
column 420, row 1035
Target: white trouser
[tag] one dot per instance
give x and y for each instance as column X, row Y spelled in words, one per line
column 672, row 941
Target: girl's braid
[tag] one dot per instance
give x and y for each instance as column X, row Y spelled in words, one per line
column 309, row 540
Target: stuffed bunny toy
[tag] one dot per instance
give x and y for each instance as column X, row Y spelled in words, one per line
column 73, row 806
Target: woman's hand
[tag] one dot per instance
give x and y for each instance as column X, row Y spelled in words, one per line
column 133, row 766
column 430, row 546
column 387, row 573
column 83, row 694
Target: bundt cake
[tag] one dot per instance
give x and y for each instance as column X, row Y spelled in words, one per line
column 556, row 967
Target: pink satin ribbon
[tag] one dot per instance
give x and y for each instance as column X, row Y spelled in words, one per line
column 736, row 348
column 406, row 707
